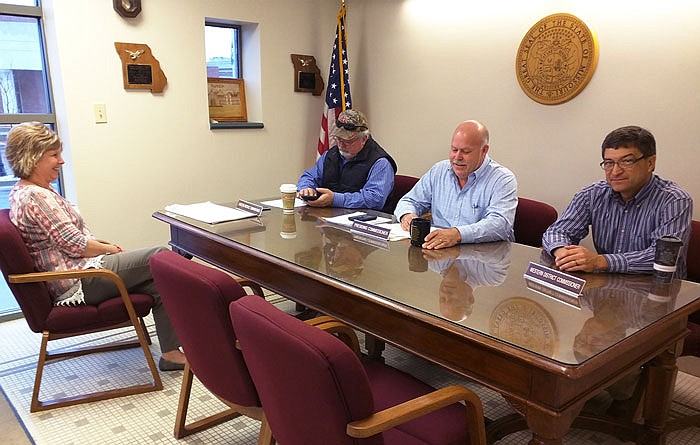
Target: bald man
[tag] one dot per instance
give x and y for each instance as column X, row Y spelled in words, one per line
column 472, row 198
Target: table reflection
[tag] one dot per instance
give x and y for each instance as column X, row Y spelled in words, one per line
column 464, row 268
column 621, row 304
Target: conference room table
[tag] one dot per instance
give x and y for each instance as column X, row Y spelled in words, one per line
column 470, row 309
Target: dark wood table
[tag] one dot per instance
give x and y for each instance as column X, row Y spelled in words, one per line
column 468, row 309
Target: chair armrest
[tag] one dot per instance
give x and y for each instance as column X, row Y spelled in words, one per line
column 36, row 277
column 317, row 321
column 420, row 406
column 254, row 287
column 344, row 332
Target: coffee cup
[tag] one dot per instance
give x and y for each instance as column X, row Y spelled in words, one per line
column 289, row 194
column 668, row 248
column 419, row 229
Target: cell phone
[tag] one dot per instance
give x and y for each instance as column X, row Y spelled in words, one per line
column 362, row 218
column 310, row 197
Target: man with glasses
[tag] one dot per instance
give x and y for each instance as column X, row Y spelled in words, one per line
column 355, row 173
column 627, row 212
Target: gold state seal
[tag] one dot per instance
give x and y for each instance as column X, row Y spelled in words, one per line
column 556, row 59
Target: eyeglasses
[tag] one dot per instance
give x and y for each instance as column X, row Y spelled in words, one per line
column 624, row 164
column 350, row 126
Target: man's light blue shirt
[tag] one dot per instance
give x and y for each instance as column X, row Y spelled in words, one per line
column 482, row 211
column 380, row 182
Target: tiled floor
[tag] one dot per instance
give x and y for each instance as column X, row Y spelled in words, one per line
column 149, row 418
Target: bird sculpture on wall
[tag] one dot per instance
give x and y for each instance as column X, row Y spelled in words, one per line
column 134, row 54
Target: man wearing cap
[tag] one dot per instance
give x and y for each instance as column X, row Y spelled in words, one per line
column 355, row 173
column 471, row 197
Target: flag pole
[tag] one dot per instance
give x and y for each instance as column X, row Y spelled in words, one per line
column 341, row 29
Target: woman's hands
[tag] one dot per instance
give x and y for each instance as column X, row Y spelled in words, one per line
column 98, row 247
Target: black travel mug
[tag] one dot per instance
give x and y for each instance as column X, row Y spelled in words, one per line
column 668, row 248
column 420, row 228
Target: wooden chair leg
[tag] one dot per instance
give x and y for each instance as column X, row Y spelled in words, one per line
column 265, row 436
column 45, row 357
column 36, row 405
column 181, row 427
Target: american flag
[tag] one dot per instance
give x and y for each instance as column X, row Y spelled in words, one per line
column 338, row 89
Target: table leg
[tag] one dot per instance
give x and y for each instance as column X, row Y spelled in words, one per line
column 547, row 426
column 657, row 401
column 375, row 347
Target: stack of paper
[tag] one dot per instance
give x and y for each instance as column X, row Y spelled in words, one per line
column 208, row 212
column 397, row 233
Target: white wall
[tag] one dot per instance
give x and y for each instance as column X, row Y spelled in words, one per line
column 417, row 68
column 157, row 149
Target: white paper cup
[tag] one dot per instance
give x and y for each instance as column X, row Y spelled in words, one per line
column 289, row 194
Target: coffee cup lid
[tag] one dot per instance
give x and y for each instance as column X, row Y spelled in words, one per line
column 288, row 188
column 288, row 235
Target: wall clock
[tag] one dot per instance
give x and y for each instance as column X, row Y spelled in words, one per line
column 127, row 8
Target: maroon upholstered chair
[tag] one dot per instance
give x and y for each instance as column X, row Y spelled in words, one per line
column 532, row 218
column 196, row 298
column 55, row 322
column 692, row 341
column 402, row 185
column 337, row 398
column 691, row 344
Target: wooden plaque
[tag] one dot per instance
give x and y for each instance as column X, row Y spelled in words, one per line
column 140, row 70
column 226, row 100
column 556, row 59
column 307, row 76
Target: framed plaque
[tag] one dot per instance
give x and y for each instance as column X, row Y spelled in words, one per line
column 226, row 99
column 307, row 77
column 140, row 69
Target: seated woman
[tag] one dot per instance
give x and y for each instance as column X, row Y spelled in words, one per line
column 58, row 239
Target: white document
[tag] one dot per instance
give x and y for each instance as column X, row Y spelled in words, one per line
column 343, row 220
column 209, row 212
column 397, row 233
column 278, row 203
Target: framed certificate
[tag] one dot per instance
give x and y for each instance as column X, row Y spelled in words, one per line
column 226, row 100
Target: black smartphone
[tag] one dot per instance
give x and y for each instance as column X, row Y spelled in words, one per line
column 362, row 218
column 310, row 197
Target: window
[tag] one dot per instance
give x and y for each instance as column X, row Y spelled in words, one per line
column 223, row 50
column 25, row 94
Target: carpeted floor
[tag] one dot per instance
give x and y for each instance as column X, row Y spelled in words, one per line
column 149, row 418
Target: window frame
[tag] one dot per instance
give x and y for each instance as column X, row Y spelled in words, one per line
column 219, row 23
column 49, row 118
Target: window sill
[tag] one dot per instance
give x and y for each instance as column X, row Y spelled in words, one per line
column 225, row 125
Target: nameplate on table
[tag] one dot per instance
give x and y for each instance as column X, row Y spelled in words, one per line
column 371, row 230
column 555, row 279
column 250, row 207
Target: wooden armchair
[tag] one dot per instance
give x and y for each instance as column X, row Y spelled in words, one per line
column 55, row 322
column 197, row 298
column 337, row 397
